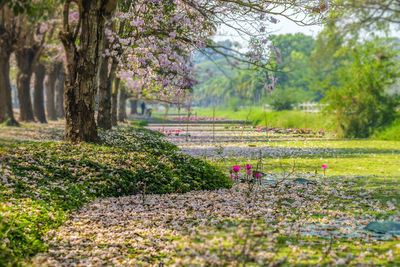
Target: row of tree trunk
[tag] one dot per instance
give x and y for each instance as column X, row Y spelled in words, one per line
column 70, row 92
column 109, row 112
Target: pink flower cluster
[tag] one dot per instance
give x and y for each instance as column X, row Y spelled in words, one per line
column 280, row 130
column 248, row 169
column 200, row 118
column 170, row 132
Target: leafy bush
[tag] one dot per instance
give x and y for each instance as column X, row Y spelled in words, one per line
column 360, row 101
column 49, row 179
column 281, row 100
column 390, row 132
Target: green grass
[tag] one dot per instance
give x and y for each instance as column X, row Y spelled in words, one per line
column 391, row 132
column 343, row 157
column 42, row 181
column 285, row 119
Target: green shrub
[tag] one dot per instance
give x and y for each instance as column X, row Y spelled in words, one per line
column 360, row 101
column 390, row 132
column 140, row 123
column 282, row 100
column 52, row 178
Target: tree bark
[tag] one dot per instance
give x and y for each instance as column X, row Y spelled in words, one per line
column 8, row 39
column 25, row 60
column 38, row 98
column 52, row 74
column 83, row 61
column 122, row 105
column 105, row 90
column 6, row 111
column 114, row 102
column 104, row 117
column 133, row 103
column 60, row 94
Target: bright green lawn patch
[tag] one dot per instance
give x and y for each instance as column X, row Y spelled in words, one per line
column 343, row 157
column 285, row 119
column 43, row 181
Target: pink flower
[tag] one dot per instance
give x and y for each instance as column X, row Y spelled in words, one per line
column 236, row 168
column 324, row 166
column 258, row 175
column 248, row 167
column 249, row 172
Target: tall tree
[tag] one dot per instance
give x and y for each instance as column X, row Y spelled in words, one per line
column 28, row 52
column 366, row 14
column 38, row 97
column 9, row 35
column 122, row 104
column 60, row 94
column 83, row 45
column 114, row 102
column 83, row 62
column 53, row 73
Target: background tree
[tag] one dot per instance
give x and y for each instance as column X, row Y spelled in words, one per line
column 38, row 97
column 9, row 36
column 53, row 73
column 358, row 95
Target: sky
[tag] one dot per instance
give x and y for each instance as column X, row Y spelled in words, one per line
column 286, row 26
column 283, row 27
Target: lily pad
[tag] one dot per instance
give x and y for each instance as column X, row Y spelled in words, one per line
column 302, row 180
column 384, row 227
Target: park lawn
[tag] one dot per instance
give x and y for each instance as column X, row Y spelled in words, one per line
column 286, row 119
column 343, row 157
column 289, row 224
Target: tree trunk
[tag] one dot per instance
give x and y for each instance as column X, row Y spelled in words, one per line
column 25, row 57
column 60, row 94
column 114, row 102
column 38, row 98
column 105, row 90
column 52, row 75
column 122, row 105
column 133, row 103
column 83, row 61
column 6, row 111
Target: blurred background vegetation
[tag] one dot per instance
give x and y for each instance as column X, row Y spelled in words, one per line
column 354, row 80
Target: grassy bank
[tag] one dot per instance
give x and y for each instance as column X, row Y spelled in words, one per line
column 42, row 181
column 295, row 119
column 285, row 119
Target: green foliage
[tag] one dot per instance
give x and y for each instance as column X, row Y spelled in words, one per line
column 44, row 180
column 359, row 100
column 294, row 75
column 281, row 100
column 139, row 123
column 390, row 132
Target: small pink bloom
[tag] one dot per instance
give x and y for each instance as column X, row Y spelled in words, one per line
column 324, row 167
column 236, row 168
column 248, row 167
column 249, row 172
column 258, row 175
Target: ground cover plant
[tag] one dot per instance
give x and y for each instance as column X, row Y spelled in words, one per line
column 42, row 181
